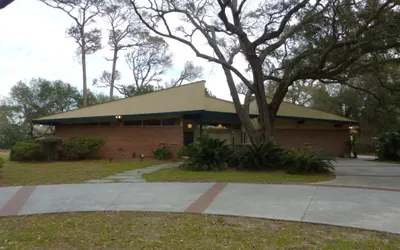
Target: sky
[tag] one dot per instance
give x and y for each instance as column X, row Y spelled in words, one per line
column 33, row 44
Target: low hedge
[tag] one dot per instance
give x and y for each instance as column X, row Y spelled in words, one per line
column 50, row 147
column 162, row 153
column 53, row 148
column 27, row 151
column 82, row 147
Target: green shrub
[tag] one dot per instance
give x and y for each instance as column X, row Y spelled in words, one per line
column 266, row 156
column 162, row 153
column 365, row 145
column 82, row 147
column 307, row 160
column 183, row 151
column 347, row 148
column 388, row 146
column 50, row 146
column 27, row 151
column 207, row 154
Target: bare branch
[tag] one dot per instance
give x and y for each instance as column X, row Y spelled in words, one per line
column 271, row 35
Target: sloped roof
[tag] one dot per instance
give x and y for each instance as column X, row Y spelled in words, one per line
column 186, row 98
column 293, row 111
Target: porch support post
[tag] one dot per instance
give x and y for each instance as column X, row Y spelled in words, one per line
column 201, row 124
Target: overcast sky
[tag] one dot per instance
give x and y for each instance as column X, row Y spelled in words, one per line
column 33, row 44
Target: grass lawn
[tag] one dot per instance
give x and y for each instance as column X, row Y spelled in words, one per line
column 129, row 230
column 4, row 155
column 18, row 173
column 179, row 175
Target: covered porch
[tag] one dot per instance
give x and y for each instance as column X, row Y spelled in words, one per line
column 223, row 126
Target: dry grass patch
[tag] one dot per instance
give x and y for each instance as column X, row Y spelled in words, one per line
column 40, row 173
column 129, row 230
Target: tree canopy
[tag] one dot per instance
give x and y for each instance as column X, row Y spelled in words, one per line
column 280, row 41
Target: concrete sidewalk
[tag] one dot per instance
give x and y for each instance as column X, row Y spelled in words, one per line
column 134, row 176
column 365, row 172
column 361, row 208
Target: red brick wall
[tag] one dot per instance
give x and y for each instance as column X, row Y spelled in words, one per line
column 330, row 140
column 130, row 138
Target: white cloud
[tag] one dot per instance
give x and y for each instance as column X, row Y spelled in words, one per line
column 33, row 44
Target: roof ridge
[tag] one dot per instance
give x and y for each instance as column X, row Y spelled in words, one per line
column 220, row 99
column 311, row 109
column 125, row 98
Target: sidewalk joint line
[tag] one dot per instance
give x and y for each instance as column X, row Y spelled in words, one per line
column 302, row 217
column 123, row 192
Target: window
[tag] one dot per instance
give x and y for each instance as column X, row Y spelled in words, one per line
column 90, row 124
column 133, row 123
column 151, row 122
column 170, row 122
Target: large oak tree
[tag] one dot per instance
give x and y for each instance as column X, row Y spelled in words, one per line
column 280, row 41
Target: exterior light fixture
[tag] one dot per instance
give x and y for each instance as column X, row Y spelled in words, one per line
column 219, row 126
column 351, row 128
column 117, row 117
column 189, row 125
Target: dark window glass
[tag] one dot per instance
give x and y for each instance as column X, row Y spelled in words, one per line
column 151, row 122
column 236, row 126
column 133, row 123
column 170, row 122
column 90, row 124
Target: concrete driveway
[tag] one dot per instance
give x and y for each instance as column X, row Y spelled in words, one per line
column 366, row 172
column 362, row 208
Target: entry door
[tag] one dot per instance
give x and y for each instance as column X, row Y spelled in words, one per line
column 188, row 138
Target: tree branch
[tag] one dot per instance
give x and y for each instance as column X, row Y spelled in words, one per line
column 271, row 35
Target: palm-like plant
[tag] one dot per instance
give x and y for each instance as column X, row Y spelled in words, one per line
column 207, row 154
column 261, row 157
column 307, row 160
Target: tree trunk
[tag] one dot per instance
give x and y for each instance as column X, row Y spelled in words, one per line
column 84, row 75
column 114, row 66
column 242, row 112
column 266, row 117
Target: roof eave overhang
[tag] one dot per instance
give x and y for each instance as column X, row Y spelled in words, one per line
column 108, row 117
column 319, row 120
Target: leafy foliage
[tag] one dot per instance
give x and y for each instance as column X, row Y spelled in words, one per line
column 42, row 149
column 50, row 146
column 162, row 153
column 1, row 163
column 92, row 99
column 207, row 154
column 283, row 42
column 38, row 98
column 183, row 151
column 307, row 161
column 132, row 90
column 82, row 147
column 266, row 156
column 388, row 146
column 27, row 151
column 11, row 134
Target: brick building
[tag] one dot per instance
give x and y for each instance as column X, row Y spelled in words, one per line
column 177, row 116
